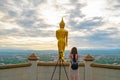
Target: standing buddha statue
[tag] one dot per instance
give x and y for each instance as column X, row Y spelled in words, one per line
column 62, row 37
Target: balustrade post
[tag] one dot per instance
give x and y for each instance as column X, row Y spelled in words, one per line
column 88, row 70
column 33, row 59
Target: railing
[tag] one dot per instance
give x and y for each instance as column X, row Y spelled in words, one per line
column 106, row 66
column 15, row 66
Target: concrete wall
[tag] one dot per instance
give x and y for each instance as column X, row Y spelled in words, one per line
column 42, row 71
column 15, row 73
column 105, row 72
column 46, row 70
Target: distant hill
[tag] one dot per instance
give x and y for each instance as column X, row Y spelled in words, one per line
column 81, row 51
column 100, row 51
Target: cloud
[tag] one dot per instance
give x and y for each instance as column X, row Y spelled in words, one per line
column 101, row 39
column 88, row 23
column 113, row 4
column 26, row 23
column 91, row 23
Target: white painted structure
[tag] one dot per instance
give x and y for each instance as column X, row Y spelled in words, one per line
column 36, row 70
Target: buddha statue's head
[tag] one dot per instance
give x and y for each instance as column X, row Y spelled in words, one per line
column 62, row 24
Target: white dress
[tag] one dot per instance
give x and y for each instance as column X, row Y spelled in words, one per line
column 73, row 74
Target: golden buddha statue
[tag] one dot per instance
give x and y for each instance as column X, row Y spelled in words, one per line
column 62, row 37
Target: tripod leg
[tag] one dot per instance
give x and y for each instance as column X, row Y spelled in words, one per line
column 60, row 70
column 65, row 71
column 54, row 70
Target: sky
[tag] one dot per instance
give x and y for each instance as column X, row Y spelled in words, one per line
column 31, row 24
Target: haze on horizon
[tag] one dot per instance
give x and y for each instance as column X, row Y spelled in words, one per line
column 31, row 24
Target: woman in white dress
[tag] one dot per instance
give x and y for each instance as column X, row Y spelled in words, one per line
column 74, row 73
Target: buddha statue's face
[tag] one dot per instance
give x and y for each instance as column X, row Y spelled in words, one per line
column 62, row 24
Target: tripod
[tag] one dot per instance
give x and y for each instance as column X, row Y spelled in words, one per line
column 60, row 62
